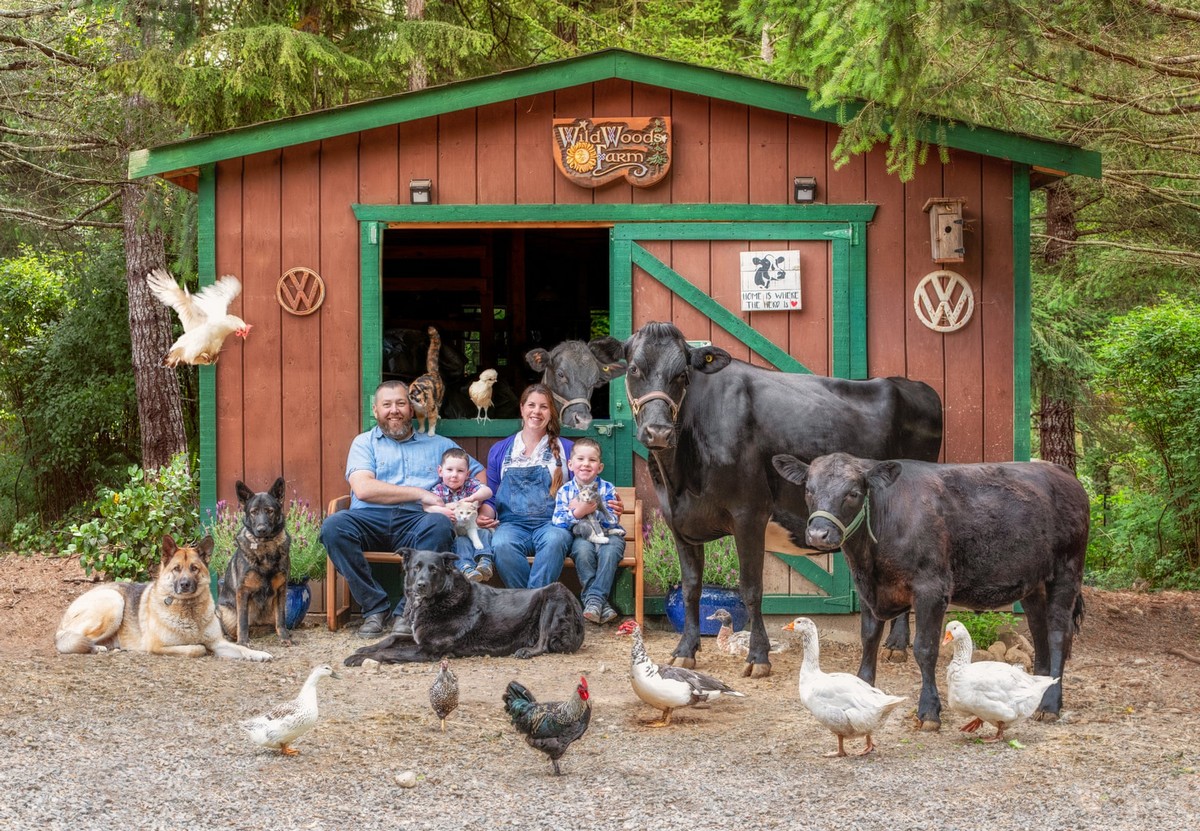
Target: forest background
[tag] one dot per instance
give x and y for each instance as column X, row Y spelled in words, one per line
column 1115, row 260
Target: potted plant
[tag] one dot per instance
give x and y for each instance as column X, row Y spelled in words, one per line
column 720, row 588
column 307, row 554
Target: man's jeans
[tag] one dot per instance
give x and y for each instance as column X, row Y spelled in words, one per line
column 347, row 534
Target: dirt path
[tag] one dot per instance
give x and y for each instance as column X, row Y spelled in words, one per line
column 132, row 741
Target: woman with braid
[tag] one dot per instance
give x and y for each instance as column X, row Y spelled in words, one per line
column 525, row 472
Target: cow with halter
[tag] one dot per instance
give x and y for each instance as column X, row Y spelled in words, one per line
column 572, row 371
column 713, row 424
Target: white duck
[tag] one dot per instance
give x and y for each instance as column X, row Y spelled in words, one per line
column 844, row 703
column 205, row 317
column 668, row 687
column 286, row 723
column 991, row 691
column 738, row 643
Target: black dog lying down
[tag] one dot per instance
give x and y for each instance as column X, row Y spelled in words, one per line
column 453, row 617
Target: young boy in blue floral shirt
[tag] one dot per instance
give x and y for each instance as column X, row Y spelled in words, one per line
column 595, row 563
column 457, row 485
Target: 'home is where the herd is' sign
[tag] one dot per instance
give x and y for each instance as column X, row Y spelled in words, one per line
column 770, row 281
column 593, row 151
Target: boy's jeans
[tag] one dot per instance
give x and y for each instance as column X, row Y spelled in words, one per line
column 596, row 566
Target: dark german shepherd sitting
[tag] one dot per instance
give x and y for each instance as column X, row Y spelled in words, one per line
column 255, row 588
column 453, row 617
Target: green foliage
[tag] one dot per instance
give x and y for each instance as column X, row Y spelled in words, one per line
column 985, row 627
column 303, row 523
column 67, row 396
column 660, row 559
column 1149, row 381
column 124, row 540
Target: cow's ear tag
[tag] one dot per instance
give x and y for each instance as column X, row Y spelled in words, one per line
column 708, row 358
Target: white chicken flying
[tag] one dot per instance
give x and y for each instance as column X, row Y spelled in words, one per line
column 287, row 722
column 844, row 703
column 481, row 393
column 205, row 317
column 668, row 687
column 1000, row 694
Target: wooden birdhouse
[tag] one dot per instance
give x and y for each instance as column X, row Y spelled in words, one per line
column 946, row 228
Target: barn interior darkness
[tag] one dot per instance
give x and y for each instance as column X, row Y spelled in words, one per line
column 493, row 294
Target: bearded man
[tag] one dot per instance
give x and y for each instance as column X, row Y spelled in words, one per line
column 391, row 470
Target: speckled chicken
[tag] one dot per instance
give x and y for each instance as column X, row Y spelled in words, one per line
column 738, row 643
column 443, row 693
column 286, row 723
column 481, row 393
column 551, row 727
column 668, row 687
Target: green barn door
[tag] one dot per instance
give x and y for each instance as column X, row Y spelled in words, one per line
column 846, row 238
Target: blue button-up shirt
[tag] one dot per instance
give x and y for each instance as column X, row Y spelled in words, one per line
column 410, row 463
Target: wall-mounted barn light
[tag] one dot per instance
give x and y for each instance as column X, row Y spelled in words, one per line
column 804, row 189
column 421, row 191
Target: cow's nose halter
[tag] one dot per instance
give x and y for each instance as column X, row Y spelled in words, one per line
column 636, row 404
column 863, row 515
column 563, row 403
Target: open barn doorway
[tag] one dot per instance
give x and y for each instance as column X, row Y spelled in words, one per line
column 493, row 294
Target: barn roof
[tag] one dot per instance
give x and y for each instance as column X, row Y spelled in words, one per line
column 180, row 159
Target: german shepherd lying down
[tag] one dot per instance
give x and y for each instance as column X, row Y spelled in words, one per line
column 254, row 590
column 454, row 617
column 174, row 615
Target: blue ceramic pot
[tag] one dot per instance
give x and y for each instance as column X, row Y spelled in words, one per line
column 711, row 599
column 298, row 599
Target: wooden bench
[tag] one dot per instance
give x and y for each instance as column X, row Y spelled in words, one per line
column 628, row 590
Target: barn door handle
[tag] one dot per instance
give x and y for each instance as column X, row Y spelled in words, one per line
column 607, row 429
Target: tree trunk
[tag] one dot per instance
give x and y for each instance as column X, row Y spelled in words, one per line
column 1056, row 428
column 418, row 74
column 1060, row 222
column 160, row 412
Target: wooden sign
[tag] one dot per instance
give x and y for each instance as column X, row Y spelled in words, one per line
column 944, row 301
column 300, row 291
column 593, row 151
column 770, row 281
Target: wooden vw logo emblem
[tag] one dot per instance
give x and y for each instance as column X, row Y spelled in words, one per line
column 300, row 291
column 944, row 301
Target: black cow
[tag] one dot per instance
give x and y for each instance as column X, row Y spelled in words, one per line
column 713, row 424
column 924, row 535
column 572, row 370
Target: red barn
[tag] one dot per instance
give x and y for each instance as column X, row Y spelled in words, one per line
column 584, row 197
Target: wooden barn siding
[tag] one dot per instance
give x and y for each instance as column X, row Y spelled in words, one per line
column 288, row 401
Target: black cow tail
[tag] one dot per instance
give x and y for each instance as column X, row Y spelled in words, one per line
column 1077, row 615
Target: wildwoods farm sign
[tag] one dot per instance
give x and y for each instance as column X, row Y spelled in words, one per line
column 593, row 151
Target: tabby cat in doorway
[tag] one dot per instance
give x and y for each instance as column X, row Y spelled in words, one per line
column 426, row 392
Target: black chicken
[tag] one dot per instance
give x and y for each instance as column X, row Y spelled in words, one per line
column 549, row 727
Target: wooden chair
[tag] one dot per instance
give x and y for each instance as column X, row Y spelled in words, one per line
column 628, row 589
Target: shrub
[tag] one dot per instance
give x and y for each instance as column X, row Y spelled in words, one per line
column 303, row 523
column 985, row 627
column 660, row 560
column 125, row 540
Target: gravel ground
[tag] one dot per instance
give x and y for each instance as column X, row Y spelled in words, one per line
column 132, row 741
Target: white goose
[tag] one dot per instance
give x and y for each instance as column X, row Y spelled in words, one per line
column 738, row 643
column 991, row 691
column 286, row 723
column 844, row 703
column 666, row 688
